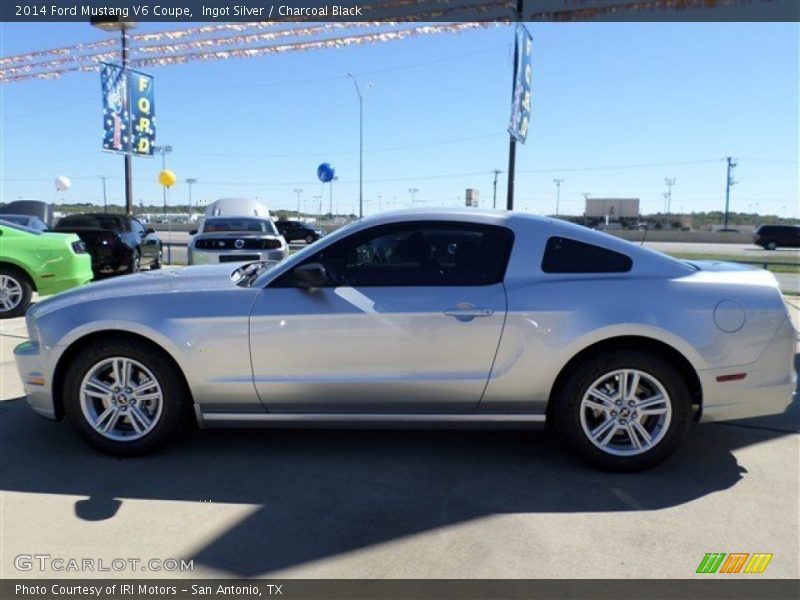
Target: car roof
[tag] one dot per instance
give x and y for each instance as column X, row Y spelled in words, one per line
column 18, row 216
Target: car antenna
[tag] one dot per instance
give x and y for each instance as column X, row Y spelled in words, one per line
column 646, row 229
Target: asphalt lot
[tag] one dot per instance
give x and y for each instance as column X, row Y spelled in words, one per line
column 386, row 504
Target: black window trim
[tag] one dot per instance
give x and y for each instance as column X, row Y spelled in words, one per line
column 285, row 280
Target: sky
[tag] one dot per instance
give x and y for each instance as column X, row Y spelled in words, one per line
column 617, row 108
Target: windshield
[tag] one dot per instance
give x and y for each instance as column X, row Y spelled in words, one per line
column 5, row 223
column 239, row 226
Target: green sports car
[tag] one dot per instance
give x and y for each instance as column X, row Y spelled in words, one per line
column 44, row 262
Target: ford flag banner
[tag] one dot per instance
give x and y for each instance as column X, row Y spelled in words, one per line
column 521, row 105
column 128, row 111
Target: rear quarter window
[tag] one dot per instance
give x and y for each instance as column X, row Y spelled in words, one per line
column 563, row 255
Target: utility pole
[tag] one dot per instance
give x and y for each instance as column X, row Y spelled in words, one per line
column 413, row 192
column 670, row 181
column 190, row 182
column 298, row 191
column 512, row 144
column 728, row 183
column 105, row 201
column 558, row 183
column 494, row 198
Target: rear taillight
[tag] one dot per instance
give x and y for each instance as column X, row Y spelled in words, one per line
column 79, row 247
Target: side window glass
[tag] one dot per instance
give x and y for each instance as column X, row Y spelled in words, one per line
column 417, row 254
column 563, row 255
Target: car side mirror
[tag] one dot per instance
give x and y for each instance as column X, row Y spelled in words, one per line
column 149, row 230
column 310, row 275
column 193, row 232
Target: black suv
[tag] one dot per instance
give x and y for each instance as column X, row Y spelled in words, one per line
column 770, row 237
column 295, row 230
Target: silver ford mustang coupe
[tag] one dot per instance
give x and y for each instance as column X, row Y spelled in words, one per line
column 437, row 318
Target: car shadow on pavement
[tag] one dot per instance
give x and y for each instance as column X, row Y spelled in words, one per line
column 327, row 492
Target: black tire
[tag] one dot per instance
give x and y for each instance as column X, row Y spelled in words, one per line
column 175, row 406
column 156, row 264
column 771, row 245
column 136, row 262
column 18, row 281
column 310, row 239
column 567, row 410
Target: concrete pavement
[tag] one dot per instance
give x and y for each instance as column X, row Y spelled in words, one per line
column 291, row 503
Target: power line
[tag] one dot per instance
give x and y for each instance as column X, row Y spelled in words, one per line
column 348, row 152
column 339, row 77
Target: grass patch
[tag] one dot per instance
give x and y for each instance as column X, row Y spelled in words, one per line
column 789, row 263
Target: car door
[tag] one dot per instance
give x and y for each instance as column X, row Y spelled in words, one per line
column 408, row 321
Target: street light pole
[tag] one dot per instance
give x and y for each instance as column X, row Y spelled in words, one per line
column 558, row 183
column 298, row 191
column 105, row 201
column 413, row 192
column 360, row 145
column 330, row 190
column 164, row 150
column 190, row 182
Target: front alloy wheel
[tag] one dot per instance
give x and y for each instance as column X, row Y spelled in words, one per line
column 124, row 396
column 121, row 399
column 624, row 410
column 15, row 293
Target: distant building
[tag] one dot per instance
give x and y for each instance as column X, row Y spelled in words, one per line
column 613, row 208
column 472, row 197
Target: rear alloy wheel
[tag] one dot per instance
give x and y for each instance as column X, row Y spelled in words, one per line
column 15, row 293
column 124, row 398
column 309, row 239
column 625, row 411
column 771, row 245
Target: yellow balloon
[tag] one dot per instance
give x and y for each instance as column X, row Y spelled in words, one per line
column 167, row 178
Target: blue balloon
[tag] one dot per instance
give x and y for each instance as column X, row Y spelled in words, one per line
column 325, row 172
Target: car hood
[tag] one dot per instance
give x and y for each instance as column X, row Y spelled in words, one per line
column 199, row 278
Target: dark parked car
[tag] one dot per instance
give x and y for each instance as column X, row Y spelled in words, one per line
column 28, row 221
column 116, row 243
column 770, row 237
column 34, row 208
column 295, row 230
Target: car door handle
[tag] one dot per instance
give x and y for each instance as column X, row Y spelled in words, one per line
column 469, row 312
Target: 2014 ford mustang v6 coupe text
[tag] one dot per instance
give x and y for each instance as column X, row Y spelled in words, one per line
column 440, row 317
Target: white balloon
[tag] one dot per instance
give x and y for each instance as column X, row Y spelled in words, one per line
column 63, row 183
